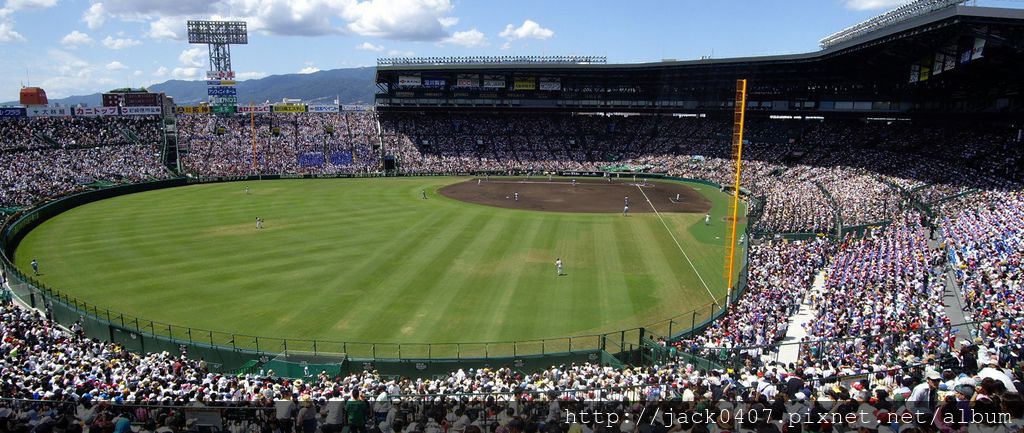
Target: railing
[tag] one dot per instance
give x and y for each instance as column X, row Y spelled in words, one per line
column 230, row 351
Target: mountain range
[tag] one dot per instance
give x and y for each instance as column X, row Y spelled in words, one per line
column 351, row 86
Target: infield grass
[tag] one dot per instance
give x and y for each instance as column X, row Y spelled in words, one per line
column 369, row 260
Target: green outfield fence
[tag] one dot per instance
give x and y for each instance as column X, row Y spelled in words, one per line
column 226, row 351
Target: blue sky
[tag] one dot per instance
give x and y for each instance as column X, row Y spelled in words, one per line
column 73, row 47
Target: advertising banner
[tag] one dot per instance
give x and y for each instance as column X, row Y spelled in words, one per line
column 192, row 109
column 253, row 108
column 553, row 84
column 95, row 111
column 47, row 111
column 323, row 109
column 434, row 83
column 221, row 91
column 355, row 108
column 140, row 111
column 220, row 75
column 979, row 49
column 220, row 83
column 494, row 82
column 524, row 84
column 408, row 80
column 282, row 108
column 940, row 59
column 9, row 112
column 468, row 81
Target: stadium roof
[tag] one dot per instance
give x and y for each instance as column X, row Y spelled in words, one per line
column 917, row 24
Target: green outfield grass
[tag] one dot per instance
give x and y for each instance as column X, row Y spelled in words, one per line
column 369, row 260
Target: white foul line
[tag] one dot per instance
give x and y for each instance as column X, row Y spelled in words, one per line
column 678, row 245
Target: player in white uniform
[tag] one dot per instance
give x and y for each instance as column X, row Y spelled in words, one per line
column 625, row 211
column 247, row 190
column 707, row 219
column 259, row 223
column 574, row 182
column 558, row 266
column 517, row 196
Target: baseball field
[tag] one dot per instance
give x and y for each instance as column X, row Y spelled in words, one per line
column 371, row 260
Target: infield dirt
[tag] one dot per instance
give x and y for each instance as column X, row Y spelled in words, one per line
column 586, row 196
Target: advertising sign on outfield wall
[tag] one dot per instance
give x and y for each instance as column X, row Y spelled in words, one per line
column 553, row 84
column 140, row 111
column 8, row 112
column 95, row 111
column 323, row 109
column 289, row 108
column 408, row 80
column 494, row 82
column 192, row 109
column 47, row 111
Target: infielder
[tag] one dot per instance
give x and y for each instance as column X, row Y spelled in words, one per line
column 423, row 194
column 259, row 223
column 627, row 200
column 35, row 267
column 707, row 219
column 574, row 182
column 516, row 195
column 558, row 266
column 625, row 211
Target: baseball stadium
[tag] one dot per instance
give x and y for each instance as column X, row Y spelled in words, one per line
column 496, row 240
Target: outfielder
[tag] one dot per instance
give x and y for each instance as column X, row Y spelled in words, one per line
column 558, row 266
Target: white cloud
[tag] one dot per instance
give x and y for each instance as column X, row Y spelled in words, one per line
column 68, row 74
column 506, row 45
column 167, row 28
column 160, row 72
column 115, row 66
column 119, row 43
column 7, row 33
column 448, row 21
column 400, row 53
column 528, row 30
column 309, row 70
column 192, row 57
column 185, row 73
column 366, row 46
column 862, row 5
column 29, row 4
column 469, row 39
column 137, row 73
column 250, row 75
column 95, row 16
column 416, row 20
column 76, row 38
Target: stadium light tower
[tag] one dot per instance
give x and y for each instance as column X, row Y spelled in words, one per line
column 219, row 36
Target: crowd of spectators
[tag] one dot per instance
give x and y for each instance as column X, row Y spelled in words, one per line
column 65, row 382
column 880, row 340
column 280, row 143
column 45, row 157
column 878, row 288
column 986, row 248
column 780, row 276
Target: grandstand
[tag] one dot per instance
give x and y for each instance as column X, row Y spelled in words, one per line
column 883, row 177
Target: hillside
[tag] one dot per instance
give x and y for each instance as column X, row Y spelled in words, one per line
column 352, row 86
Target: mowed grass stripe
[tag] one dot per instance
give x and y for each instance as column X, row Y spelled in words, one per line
column 367, row 260
column 424, row 266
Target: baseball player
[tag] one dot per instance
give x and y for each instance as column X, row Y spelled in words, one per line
column 558, row 266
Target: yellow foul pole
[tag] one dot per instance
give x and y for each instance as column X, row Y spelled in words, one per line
column 739, row 114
